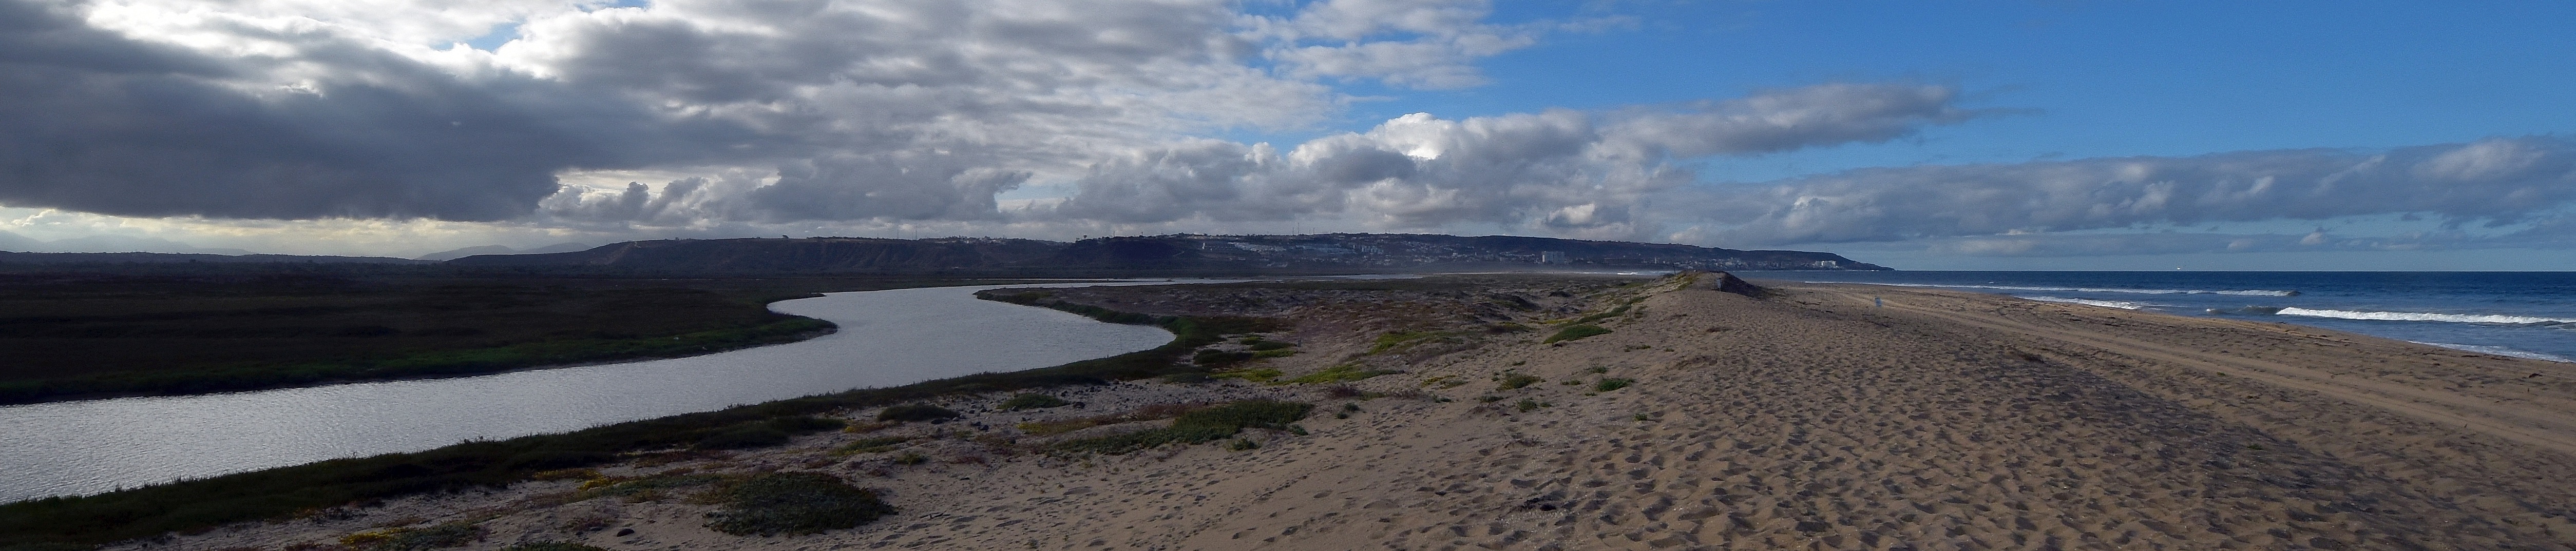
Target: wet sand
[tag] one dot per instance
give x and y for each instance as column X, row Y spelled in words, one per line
column 1807, row 419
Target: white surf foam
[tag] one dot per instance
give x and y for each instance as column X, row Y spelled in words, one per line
column 2423, row 316
column 2237, row 292
column 2104, row 303
column 2497, row 350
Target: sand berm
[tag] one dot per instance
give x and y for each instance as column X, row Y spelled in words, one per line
column 1795, row 416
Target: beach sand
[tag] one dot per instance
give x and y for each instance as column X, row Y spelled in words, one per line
column 1805, row 419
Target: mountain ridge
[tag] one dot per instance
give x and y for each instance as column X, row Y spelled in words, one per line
column 1177, row 254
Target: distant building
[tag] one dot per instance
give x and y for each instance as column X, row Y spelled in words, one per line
column 1552, row 257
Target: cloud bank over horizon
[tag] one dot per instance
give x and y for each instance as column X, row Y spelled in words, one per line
column 583, row 120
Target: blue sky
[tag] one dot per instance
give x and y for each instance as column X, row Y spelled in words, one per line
column 1959, row 135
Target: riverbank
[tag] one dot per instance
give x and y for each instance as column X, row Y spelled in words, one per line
column 1694, row 418
column 86, row 336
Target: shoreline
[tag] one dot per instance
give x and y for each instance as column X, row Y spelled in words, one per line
column 1699, row 419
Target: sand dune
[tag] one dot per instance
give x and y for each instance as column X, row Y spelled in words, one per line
column 1807, row 419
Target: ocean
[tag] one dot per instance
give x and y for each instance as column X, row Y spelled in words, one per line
column 2522, row 314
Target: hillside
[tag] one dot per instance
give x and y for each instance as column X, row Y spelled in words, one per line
column 1161, row 255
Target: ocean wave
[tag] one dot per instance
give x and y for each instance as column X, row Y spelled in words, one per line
column 2237, row 292
column 2104, row 303
column 2499, row 319
column 2497, row 350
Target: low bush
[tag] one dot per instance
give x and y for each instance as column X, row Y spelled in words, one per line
column 1200, row 426
column 450, row 534
column 1526, row 405
column 1514, row 381
column 915, row 412
column 794, row 503
column 1339, row 374
column 1262, row 375
column 871, row 445
column 1400, row 339
column 551, row 546
column 1219, row 358
column 1609, row 384
column 1573, row 332
column 1032, row 400
column 762, row 434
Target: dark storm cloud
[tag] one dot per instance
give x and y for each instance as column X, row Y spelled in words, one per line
column 103, row 124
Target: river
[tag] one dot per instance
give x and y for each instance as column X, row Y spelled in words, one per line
column 887, row 338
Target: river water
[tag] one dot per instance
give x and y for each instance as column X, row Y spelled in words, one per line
column 887, row 338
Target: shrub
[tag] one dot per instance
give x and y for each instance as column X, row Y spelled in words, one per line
column 742, row 439
column 1340, row 373
column 1219, row 358
column 909, row 458
column 553, row 460
column 1262, row 375
column 915, row 412
column 1200, row 426
column 1609, row 384
column 1515, row 381
column 794, row 503
column 1398, row 339
column 551, row 546
column 1528, row 405
column 449, row 534
column 1573, row 332
column 1032, row 400
column 1280, row 353
column 1241, row 445
column 871, row 445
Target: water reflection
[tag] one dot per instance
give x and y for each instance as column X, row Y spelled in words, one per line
column 887, row 338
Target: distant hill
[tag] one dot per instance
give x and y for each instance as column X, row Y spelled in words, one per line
column 1161, row 255
column 170, row 258
column 498, row 249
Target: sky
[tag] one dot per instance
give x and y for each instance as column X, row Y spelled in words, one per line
column 1977, row 134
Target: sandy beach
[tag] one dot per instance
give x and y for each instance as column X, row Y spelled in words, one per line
column 1806, row 418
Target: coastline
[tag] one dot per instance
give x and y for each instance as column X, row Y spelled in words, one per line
column 1805, row 418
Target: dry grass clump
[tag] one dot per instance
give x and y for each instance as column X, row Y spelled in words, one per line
column 451, row 534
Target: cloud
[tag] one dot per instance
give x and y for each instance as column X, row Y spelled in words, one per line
column 2494, row 182
column 1561, row 171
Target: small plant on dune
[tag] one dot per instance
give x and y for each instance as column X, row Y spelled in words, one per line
column 1241, row 445
column 794, row 503
column 1526, row 405
column 551, row 546
column 1032, row 400
column 871, row 445
column 1598, row 369
column 1340, row 373
column 909, row 458
column 1575, row 332
column 1488, row 399
column 915, row 412
column 449, row 534
column 1611, row 383
column 1515, row 381
column 1205, row 425
column 1399, row 339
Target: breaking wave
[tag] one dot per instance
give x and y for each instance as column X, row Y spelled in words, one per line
column 2238, row 292
column 2422, row 316
column 2104, row 303
column 2497, row 350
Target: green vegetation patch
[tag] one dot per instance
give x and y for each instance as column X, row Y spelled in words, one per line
column 870, row 445
column 762, row 434
column 915, row 412
column 1611, row 383
column 1614, row 312
column 1218, row 359
column 1032, row 400
column 1339, row 374
column 1400, row 339
column 1197, row 427
column 794, row 503
column 1575, row 332
column 551, row 546
column 452, row 534
column 1279, row 353
column 1514, row 381
column 1262, row 375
